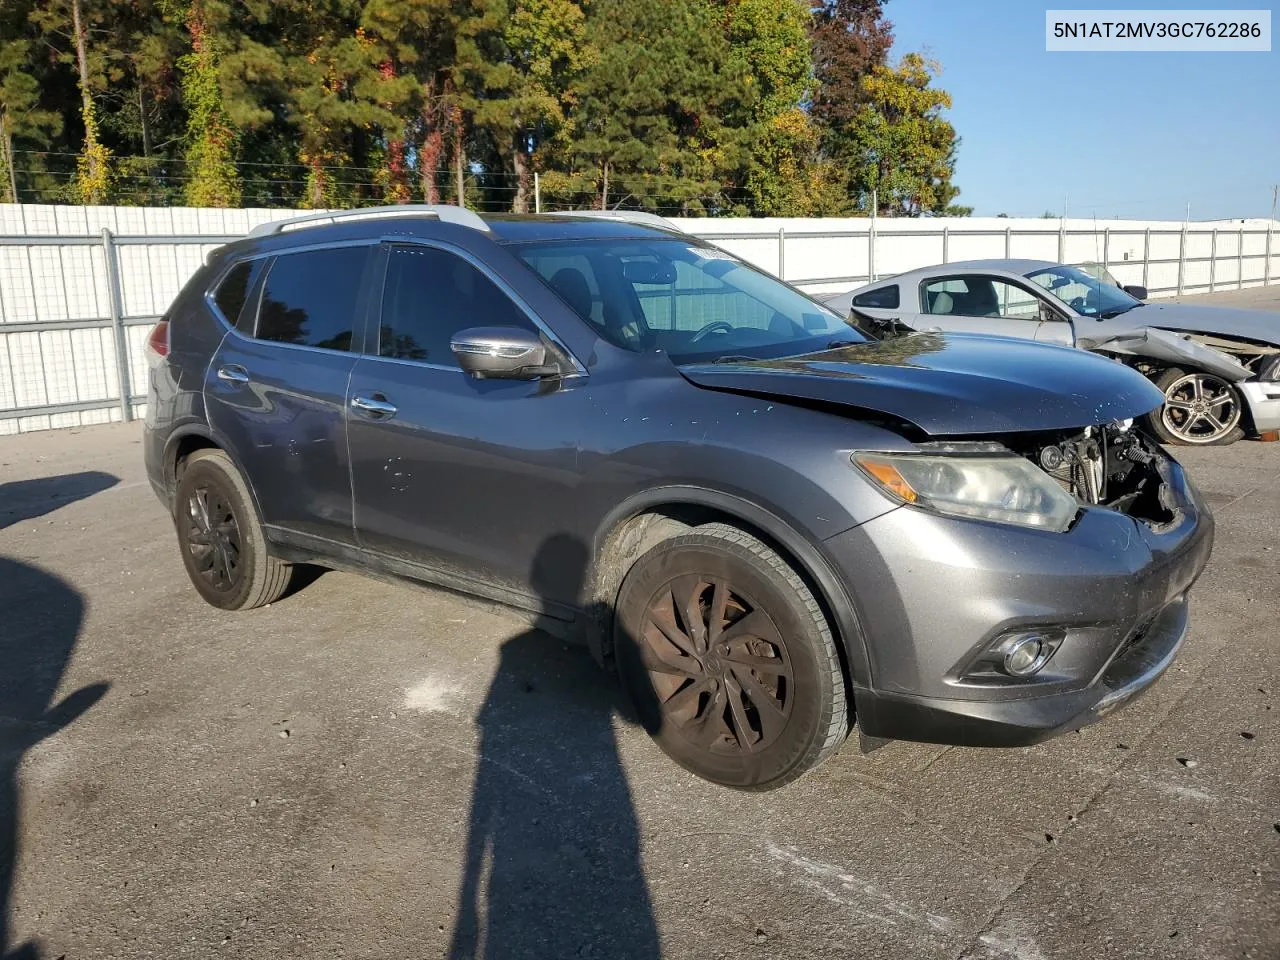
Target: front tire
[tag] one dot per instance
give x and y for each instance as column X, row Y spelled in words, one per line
column 729, row 660
column 1199, row 409
column 222, row 543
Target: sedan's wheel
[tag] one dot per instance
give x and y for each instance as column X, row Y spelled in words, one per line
column 729, row 660
column 222, row 544
column 1199, row 408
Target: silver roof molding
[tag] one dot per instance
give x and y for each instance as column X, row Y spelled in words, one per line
column 446, row 213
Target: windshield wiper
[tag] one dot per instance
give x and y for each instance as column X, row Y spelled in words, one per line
column 735, row 358
column 837, row 344
column 1108, row 314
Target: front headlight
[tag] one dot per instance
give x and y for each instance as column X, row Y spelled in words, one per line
column 1005, row 488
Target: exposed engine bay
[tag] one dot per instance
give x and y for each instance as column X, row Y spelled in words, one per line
column 1114, row 465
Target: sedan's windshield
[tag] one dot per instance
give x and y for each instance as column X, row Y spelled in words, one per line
column 1084, row 293
column 694, row 301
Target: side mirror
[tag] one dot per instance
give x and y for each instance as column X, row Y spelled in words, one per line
column 1137, row 291
column 502, row 353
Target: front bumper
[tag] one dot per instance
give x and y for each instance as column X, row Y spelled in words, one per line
column 1015, row 723
column 1262, row 397
column 930, row 591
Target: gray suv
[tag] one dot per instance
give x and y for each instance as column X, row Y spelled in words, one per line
column 772, row 525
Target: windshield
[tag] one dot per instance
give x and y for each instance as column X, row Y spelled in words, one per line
column 1084, row 293
column 694, row 301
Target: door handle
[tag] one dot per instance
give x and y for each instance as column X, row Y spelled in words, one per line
column 375, row 407
column 233, row 373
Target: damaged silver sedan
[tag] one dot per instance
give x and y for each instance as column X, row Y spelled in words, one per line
column 1219, row 369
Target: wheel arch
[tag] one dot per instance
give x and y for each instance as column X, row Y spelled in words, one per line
column 651, row 516
column 186, row 440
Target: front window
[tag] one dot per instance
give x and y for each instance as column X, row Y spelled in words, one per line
column 694, row 301
column 1084, row 293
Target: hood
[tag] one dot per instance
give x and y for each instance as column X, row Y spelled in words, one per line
column 1259, row 325
column 1175, row 348
column 950, row 385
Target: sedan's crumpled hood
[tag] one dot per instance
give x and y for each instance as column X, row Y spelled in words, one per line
column 950, row 385
column 1175, row 348
column 1260, row 325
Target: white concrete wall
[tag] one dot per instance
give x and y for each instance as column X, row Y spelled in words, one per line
column 63, row 283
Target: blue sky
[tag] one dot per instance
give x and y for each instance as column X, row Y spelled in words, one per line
column 1135, row 135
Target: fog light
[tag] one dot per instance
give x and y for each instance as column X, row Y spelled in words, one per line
column 1025, row 655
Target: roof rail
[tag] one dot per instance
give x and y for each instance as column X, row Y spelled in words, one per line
column 446, row 213
column 628, row 216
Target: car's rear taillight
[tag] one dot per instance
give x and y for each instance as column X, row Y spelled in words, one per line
column 158, row 342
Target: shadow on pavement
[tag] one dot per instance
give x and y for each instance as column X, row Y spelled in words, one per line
column 40, row 617
column 552, row 864
column 27, row 499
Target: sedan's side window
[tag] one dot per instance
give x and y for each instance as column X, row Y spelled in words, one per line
column 431, row 294
column 979, row 297
column 886, row 298
column 310, row 298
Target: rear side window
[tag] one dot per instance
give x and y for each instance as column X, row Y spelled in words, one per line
column 310, row 298
column 886, row 298
column 432, row 294
column 233, row 291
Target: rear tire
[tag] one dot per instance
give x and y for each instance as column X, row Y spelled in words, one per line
column 222, row 543
column 729, row 660
column 1200, row 409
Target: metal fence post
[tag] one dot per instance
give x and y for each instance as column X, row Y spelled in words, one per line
column 1240, row 267
column 1008, row 242
column 1182, row 258
column 871, row 250
column 1266, row 269
column 782, row 253
column 1146, row 257
column 1106, row 247
column 116, row 305
column 1213, row 259
column 946, row 244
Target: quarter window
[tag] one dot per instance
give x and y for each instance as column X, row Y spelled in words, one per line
column 886, row 298
column 980, row 297
column 310, row 298
column 233, row 291
column 430, row 295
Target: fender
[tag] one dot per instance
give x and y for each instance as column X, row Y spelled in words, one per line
column 812, row 559
column 200, row 429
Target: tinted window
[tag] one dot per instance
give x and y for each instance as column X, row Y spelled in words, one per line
column 429, row 296
column 234, row 290
column 886, row 298
column 310, row 298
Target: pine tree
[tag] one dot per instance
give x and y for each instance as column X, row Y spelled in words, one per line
column 23, row 117
column 649, row 129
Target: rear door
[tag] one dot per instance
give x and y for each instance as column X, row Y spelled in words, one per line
column 972, row 303
column 276, row 390
column 469, row 480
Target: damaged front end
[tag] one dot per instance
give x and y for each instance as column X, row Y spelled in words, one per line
column 1113, row 465
column 1190, row 351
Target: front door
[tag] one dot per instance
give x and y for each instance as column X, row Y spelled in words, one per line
column 473, row 480
column 276, row 390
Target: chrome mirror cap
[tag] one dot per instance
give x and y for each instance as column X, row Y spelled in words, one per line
column 510, row 353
